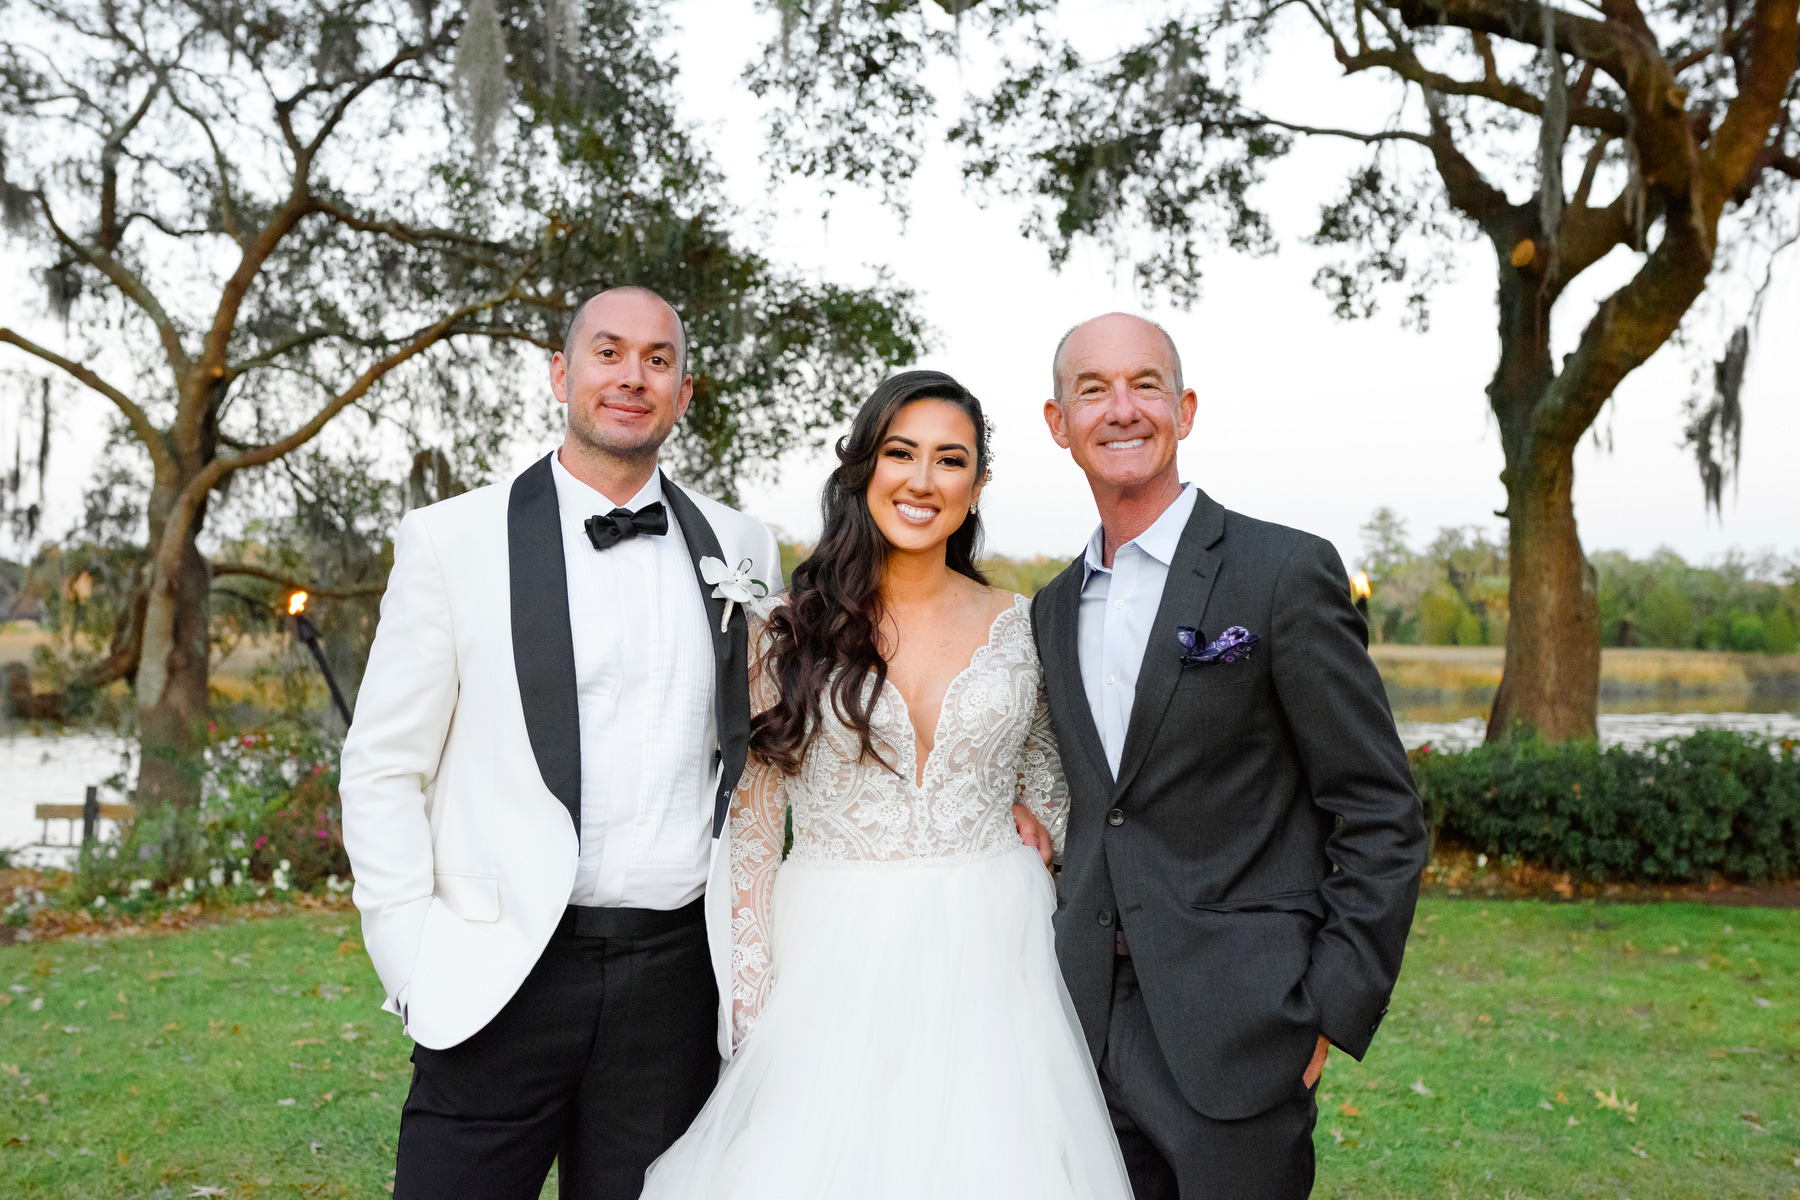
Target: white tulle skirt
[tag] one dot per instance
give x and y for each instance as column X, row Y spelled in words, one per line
column 919, row 1044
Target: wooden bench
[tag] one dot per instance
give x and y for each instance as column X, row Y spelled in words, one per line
column 78, row 812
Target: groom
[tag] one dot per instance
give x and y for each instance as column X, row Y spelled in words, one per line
column 554, row 716
column 1244, row 840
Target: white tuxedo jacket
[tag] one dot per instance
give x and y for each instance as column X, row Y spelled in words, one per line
column 462, row 770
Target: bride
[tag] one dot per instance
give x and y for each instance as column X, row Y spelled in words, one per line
column 900, row 1025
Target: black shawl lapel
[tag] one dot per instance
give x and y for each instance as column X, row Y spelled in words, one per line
column 1192, row 574
column 543, row 645
column 731, row 652
column 1060, row 650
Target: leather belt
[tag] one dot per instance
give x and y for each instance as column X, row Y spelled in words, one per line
column 580, row 920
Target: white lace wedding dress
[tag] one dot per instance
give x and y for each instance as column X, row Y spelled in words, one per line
column 902, row 1028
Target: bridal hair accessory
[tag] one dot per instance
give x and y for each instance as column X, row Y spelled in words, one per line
column 1234, row 645
column 734, row 586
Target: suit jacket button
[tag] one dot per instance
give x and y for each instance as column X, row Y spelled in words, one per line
column 1115, row 817
column 1106, row 917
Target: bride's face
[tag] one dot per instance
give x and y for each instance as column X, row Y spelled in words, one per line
column 925, row 477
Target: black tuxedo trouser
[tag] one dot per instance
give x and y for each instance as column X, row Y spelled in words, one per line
column 1172, row 1151
column 599, row 1062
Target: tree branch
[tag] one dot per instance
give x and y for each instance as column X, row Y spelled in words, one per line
column 140, row 420
column 1733, row 150
column 1402, row 62
column 1384, row 135
column 126, row 282
column 298, row 585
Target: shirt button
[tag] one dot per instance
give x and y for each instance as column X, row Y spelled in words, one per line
column 1106, row 917
column 1118, row 604
column 1111, row 679
column 1115, row 817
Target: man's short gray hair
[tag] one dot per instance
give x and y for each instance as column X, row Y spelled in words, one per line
column 681, row 341
column 1056, row 362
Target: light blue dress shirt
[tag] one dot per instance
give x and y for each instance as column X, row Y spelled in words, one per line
column 1118, row 608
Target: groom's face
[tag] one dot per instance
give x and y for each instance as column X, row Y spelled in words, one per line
column 1120, row 410
column 621, row 374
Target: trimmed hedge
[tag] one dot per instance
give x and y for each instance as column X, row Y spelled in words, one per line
column 1712, row 803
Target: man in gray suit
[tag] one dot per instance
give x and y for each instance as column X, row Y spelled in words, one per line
column 1244, row 840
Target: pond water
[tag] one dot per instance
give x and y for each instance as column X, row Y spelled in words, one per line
column 51, row 768
column 55, row 769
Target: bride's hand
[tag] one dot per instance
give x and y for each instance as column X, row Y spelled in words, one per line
column 1032, row 832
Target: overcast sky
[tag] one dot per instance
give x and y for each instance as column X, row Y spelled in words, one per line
column 1303, row 419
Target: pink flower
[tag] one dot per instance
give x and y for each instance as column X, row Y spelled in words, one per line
column 261, row 842
column 249, row 740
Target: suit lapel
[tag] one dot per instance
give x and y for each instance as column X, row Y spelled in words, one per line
column 543, row 645
column 731, row 656
column 1190, row 583
column 1061, row 656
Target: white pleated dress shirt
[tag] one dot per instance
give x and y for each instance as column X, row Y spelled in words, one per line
column 1118, row 608
column 644, row 682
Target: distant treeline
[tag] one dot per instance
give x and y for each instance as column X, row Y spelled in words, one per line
column 1454, row 593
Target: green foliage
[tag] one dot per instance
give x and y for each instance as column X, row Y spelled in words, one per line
column 269, row 821
column 1440, row 612
column 1715, row 802
column 1742, row 604
column 1023, row 575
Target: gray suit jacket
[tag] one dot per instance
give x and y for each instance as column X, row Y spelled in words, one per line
column 1262, row 844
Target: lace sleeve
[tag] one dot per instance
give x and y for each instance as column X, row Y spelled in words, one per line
column 758, row 815
column 1042, row 787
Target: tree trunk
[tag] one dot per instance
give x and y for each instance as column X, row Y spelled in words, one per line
column 1551, row 682
column 1552, row 678
column 172, row 686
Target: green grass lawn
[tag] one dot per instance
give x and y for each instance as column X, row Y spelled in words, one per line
column 251, row 1058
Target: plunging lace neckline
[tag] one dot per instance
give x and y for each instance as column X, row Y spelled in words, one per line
column 921, row 768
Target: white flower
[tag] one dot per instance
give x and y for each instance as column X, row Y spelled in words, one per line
column 237, row 877
column 734, row 586
column 217, row 876
column 99, row 901
column 187, row 885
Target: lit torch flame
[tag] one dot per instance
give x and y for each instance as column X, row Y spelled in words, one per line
column 1359, row 585
column 296, row 604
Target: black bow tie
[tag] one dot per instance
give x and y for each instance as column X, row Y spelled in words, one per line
column 621, row 523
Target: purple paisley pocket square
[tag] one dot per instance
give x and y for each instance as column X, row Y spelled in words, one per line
column 1234, row 645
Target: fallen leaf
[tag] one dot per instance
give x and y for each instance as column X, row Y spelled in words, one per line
column 171, row 1027
column 1349, row 1110
column 1485, row 1019
column 1573, row 1119
column 201, row 1190
column 1639, row 1151
column 348, row 947
column 288, row 1103
column 310, row 1042
column 1419, row 1087
column 123, row 1158
column 1546, row 1106
column 1760, row 1002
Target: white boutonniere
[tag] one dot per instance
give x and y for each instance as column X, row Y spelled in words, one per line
column 734, row 586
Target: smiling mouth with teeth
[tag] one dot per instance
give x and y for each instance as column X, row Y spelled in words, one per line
column 1132, row 444
column 913, row 513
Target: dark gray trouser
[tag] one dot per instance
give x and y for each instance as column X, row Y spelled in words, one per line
column 1173, row 1152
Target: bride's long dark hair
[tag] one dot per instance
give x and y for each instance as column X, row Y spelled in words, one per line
column 824, row 638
